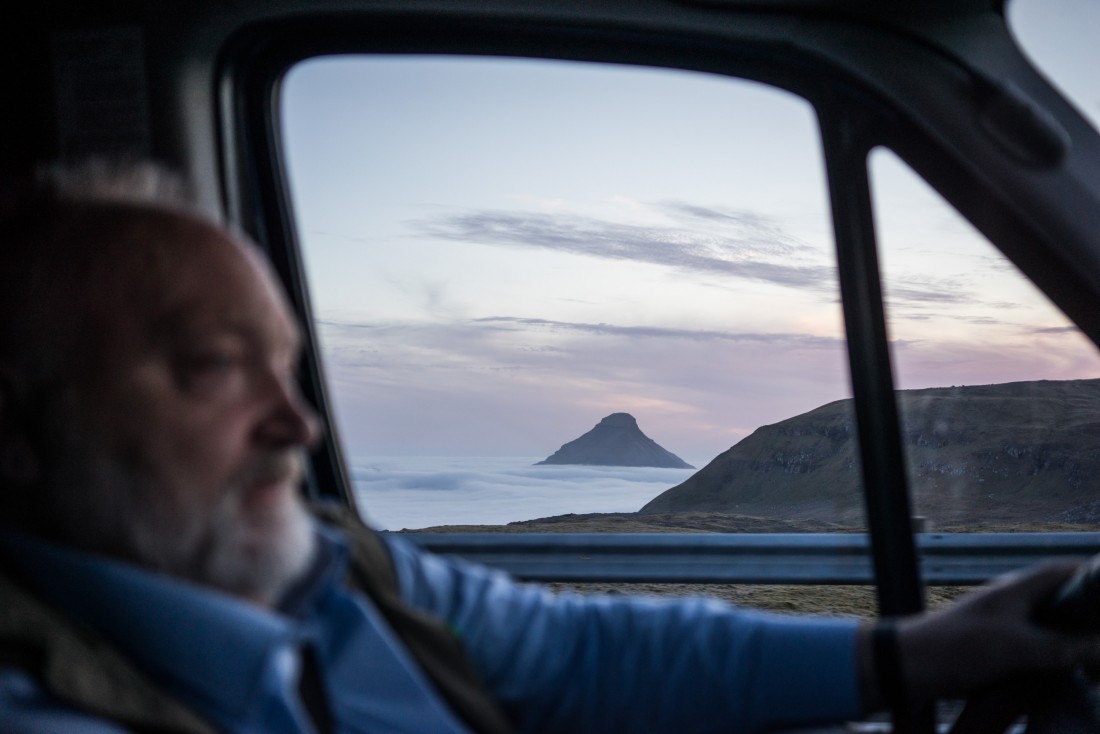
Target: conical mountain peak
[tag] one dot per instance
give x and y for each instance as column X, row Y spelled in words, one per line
column 616, row 441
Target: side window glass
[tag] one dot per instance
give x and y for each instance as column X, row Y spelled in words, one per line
column 999, row 391
column 506, row 255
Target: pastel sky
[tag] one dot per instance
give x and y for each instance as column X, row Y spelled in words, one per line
column 503, row 252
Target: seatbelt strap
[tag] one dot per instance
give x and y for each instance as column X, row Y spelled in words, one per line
column 433, row 645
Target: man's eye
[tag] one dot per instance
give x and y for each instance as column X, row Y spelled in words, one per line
column 213, row 362
column 207, row 367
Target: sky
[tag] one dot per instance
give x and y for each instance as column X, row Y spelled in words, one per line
column 501, row 253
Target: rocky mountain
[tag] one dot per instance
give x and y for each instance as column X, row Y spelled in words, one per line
column 977, row 454
column 616, row 441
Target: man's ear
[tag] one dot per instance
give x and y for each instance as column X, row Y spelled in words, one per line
column 19, row 461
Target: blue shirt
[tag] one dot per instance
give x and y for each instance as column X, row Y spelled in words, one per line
column 557, row 662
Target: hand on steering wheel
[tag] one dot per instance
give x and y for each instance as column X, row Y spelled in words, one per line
column 1014, row 647
column 1062, row 704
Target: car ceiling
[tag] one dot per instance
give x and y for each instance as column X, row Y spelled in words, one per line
column 927, row 65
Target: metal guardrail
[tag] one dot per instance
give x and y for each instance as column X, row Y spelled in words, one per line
column 809, row 558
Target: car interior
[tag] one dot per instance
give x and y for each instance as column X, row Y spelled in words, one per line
column 871, row 224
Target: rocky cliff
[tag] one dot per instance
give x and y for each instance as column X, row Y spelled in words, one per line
column 975, row 454
column 616, row 441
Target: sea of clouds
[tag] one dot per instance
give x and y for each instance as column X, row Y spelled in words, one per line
column 414, row 492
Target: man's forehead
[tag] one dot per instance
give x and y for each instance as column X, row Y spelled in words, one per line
column 135, row 247
column 195, row 278
column 189, row 320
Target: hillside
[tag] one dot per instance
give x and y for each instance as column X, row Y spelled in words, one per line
column 633, row 522
column 979, row 454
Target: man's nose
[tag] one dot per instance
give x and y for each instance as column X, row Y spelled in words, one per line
column 291, row 422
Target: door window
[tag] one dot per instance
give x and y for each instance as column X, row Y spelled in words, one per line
column 505, row 255
column 999, row 392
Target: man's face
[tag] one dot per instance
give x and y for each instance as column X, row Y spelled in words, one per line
column 183, row 451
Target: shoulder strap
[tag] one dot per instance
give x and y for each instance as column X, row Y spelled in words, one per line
column 433, row 645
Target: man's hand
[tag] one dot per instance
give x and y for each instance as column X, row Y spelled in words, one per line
column 986, row 637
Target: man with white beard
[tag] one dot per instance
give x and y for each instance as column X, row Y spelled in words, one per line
column 159, row 572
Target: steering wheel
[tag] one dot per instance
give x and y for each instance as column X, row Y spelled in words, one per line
column 1058, row 705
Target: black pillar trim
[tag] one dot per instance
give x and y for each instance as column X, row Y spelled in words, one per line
column 257, row 195
column 897, row 575
column 898, row 583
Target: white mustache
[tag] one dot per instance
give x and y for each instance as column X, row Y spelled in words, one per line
column 278, row 466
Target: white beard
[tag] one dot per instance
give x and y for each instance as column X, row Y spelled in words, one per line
column 99, row 504
column 252, row 554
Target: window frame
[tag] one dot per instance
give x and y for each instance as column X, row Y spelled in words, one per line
column 858, row 110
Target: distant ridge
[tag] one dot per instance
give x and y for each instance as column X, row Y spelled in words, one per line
column 979, row 454
column 616, row 441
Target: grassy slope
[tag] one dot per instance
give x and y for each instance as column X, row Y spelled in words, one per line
column 1017, row 452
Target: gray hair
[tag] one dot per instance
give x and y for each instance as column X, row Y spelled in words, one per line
column 59, row 229
column 63, row 234
column 117, row 182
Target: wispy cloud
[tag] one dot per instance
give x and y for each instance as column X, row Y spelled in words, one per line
column 1071, row 329
column 707, row 240
column 802, row 341
column 699, row 239
column 919, row 291
column 517, row 378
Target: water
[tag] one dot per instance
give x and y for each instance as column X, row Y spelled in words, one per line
column 397, row 492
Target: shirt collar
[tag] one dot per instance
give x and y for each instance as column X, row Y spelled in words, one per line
column 328, row 567
column 177, row 631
